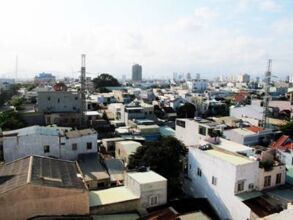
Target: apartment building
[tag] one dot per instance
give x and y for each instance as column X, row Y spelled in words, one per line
column 55, row 142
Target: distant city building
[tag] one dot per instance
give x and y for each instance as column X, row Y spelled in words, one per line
column 6, row 83
column 291, row 79
column 244, row 78
column 197, row 85
column 136, row 73
column 175, row 76
column 188, row 76
column 44, row 78
column 197, row 76
column 123, row 78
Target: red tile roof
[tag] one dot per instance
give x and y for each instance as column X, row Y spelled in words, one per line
column 281, row 143
column 255, row 129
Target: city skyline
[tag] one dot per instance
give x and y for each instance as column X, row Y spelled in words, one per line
column 207, row 37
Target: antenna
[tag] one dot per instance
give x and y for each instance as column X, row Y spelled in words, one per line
column 266, row 98
column 82, row 92
column 16, row 67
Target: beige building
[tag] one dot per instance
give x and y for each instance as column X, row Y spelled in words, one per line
column 41, row 186
column 124, row 149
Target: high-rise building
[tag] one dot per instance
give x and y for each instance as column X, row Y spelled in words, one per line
column 197, row 76
column 136, row 73
column 188, row 76
column 244, row 78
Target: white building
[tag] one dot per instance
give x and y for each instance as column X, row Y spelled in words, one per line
column 149, row 186
column 244, row 78
column 225, row 178
column 220, row 170
column 197, row 85
column 48, row 141
column 247, row 136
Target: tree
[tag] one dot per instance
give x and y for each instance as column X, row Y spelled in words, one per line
column 165, row 157
column 186, row 111
column 10, row 120
column 287, row 129
column 17, row 101
column 105, row 80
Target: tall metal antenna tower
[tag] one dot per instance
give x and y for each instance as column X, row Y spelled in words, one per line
column 82, row 92
column 266, row 98
column 16, row 67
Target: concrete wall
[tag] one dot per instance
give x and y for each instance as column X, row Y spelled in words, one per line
column 15, row 147
column 222, row 195
column 122, row 207
column 32, row 200
column 145, row 191
column 69, row 154
column 58, row 102
column 188, row 133
column 273, row 173
column 286, row 157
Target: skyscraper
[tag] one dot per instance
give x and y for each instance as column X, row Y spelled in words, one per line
column 136, row 72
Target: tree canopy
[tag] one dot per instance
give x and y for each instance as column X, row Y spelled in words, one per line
column 11, row 120
column 105, row 80
column 186, row 111
column 288, row 128
column 165, row 157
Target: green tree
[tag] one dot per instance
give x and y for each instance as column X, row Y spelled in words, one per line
column 287, row 129
column 105, row 80
column 17, row 102
column 165, row 157
column 186, row 111
column 10, row 120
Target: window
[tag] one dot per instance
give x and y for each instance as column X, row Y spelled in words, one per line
column 74, row 146
column 240, row 186
column 202, row 130
column 58, row 100
column 153, row 200
column 267, row 181
column 46, row 148
column 76, row 98
column 180, row 123
column 49, row 98
column 101, row 185
column 89, row 145
column 198, row 172
column 278, row 178
column 214, row 180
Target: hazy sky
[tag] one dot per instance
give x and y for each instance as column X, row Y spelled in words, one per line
column 164, row 36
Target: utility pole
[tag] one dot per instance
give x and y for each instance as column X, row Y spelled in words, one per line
column 82, row 93
column 266, row 98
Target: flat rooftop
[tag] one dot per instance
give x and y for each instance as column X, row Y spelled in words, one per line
column 146, row 177
column 229, row 157
column 110, row 196
column 231, row 146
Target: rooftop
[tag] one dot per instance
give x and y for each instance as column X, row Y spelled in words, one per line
column 110, row 196
column 91, row 167
column 229, row 157
column 39, row 170
column 39, row 130
column 80, row 133
column 115, row 169
column 146, row 177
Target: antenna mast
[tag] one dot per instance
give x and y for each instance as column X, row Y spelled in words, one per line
column 266, row 98
column 82, row 92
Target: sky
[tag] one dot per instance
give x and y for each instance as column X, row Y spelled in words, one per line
column 210, row 37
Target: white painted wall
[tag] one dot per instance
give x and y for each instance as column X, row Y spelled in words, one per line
column 15, row 147
column 145, row 191
column 222, row 196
